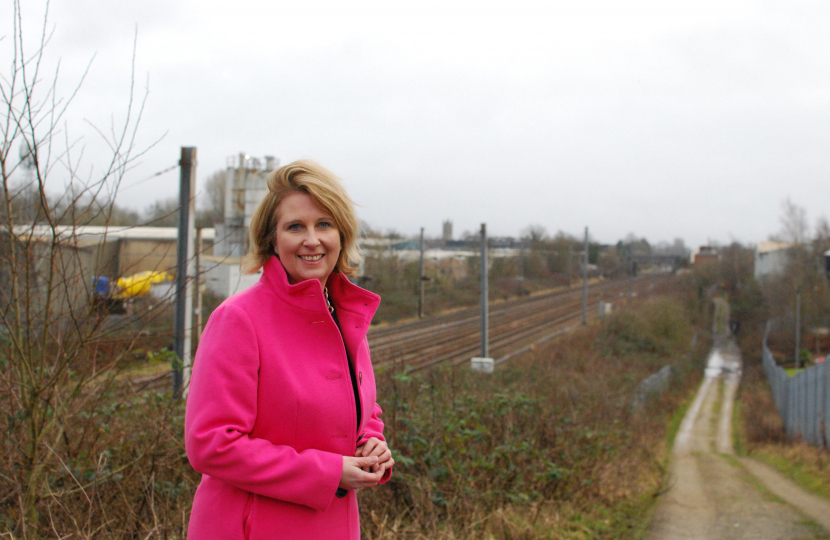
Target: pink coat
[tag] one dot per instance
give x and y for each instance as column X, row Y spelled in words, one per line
column 270, row 411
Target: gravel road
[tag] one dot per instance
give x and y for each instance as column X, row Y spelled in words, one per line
column 714, row 495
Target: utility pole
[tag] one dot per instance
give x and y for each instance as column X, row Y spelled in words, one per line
column 421, row 279
column 485, row 316
column 184, row 271
column 653, row 268
column 570, row 263
column 797, row 328
column 585, row 282
column 522, row 260
column 198, row 309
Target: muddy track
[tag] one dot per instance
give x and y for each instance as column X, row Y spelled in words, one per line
column 711, row 494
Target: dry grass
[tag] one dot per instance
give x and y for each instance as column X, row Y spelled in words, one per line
column 808, row 465
column 760, row 431
column 119, row 470
column 547, row 448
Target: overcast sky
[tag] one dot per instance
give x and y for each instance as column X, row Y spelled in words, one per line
column 662, row 119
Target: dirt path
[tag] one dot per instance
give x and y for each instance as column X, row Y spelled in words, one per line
column 712, row 494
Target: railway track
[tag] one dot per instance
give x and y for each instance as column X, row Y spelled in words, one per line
column 515, row 326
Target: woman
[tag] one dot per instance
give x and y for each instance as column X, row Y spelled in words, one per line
column 281, row 416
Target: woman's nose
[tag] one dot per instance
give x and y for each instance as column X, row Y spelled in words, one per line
column 311, row 239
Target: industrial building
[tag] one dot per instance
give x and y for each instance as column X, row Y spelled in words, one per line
column 771, row 258
column 245, row 187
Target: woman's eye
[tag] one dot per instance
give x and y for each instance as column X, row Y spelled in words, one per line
column 294, row 227
column 325, row 224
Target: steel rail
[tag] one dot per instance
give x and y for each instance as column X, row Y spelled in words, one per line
column 446, row 340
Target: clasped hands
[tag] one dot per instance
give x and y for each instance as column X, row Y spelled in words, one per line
column 370, row 462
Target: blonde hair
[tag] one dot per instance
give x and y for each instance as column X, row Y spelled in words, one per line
column 327, row 191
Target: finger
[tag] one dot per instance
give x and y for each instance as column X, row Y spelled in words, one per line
column 367, row 461
column 379, row 449
column 367, row 479
column 369, row 445
column 359, row 462
column 354, row 477
column 380, row 468
column 387, row 465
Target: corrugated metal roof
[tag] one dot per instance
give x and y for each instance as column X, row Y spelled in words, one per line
column 85, row 233
column 766, row 247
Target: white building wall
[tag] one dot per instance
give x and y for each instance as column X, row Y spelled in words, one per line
column 226, row 278
column 771, row 258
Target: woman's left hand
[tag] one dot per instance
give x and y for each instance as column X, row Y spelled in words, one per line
column 378, row 448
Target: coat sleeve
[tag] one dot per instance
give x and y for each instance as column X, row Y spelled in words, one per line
column 374, row 428
column 220, row 415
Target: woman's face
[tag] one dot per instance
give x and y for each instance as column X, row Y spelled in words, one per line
column 308, row 241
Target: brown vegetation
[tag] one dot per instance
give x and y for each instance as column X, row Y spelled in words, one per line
column 547, row 448
column 759, row 428
column 79, row 452
column 452, row 283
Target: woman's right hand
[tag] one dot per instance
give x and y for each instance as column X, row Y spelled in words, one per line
column 354, row 477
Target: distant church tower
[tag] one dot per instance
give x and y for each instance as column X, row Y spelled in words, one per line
column 447, row 234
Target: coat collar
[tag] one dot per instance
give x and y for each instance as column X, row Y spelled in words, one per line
column 308, row 295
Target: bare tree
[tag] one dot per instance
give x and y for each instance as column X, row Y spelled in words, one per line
column 794, row 226
column 823, row 233
column 162, row 213
column 214, row 195
column 535, row 234
column 58, row 352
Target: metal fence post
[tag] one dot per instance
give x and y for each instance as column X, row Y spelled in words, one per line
column 198, row 275
column 811, row 415
column 826, row 405
column 798, row 329
column 802, row 402
column 184, row 270
column 485, row 315
column 821, row 397
column 421, row 279
column 789, row 420
column 585, row 282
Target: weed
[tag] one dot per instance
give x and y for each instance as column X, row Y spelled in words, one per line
column 806, row 465
column 546, row 448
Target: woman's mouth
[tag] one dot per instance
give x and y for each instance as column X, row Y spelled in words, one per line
column 311, row 258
